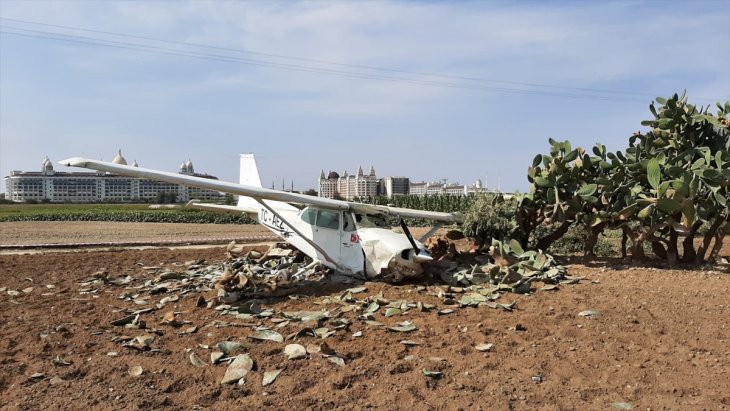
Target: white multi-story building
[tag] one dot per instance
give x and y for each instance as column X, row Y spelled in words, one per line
column 434, row 189
column 348, row 186
column 418, row 189
column 89, row 187
column 475, row 188
column 453, row 189
column 439, row 188
column 361, row 185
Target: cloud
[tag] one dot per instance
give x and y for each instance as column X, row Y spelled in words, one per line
column 620, row 46
column 594, row 46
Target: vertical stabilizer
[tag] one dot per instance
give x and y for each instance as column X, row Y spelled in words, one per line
column 249, row 172
column 249, row 175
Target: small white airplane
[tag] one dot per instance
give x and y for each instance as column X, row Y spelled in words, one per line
column 349, row 237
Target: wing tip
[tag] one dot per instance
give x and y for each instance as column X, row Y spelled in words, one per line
column 458, row 217
column 74, row 162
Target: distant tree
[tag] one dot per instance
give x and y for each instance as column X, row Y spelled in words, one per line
column 311, row 192
column 229, row 199
column 490, row 218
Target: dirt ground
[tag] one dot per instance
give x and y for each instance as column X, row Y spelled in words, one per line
column 661, row 341
column 60, row 232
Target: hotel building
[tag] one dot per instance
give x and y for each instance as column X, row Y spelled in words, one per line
column 91, row 187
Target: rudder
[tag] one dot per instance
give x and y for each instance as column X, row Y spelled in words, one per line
column 249, row 175
column 249, row 171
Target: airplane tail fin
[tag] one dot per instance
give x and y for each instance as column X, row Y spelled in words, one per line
column 249, row 175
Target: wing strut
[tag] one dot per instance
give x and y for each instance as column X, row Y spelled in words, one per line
column 430, row 232
column 305, row 238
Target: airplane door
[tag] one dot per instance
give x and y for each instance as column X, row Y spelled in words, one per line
column 326, row 232
column 335, row 233
column 351, row 255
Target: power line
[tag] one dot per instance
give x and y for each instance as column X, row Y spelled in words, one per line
column 269, row 64
column 239, row 50
column 466, row 82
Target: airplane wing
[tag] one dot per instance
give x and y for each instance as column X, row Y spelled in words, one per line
column 258, row 192
column 218, row 208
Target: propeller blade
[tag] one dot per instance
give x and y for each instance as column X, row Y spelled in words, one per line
column 407, row 232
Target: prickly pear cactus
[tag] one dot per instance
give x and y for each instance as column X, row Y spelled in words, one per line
column 670, row 184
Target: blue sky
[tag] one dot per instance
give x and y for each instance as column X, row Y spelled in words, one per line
column 430, row 90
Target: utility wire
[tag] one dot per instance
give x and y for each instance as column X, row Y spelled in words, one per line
column 469, row 84
column 262, row 63
column 238, row 50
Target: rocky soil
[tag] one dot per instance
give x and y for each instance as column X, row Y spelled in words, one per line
column 623, row 338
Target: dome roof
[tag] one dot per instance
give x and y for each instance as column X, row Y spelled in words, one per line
column 333, row 175
column 119, row 159
column 134, row 164
column 189, row 165
column 183, row 167
column 47, row 165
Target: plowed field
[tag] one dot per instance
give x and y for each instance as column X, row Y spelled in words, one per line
column 660, row 340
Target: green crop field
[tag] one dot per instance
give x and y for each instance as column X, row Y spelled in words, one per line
column 113, row 212
column 12, row 210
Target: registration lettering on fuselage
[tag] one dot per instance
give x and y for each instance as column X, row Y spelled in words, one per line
column 270, row 220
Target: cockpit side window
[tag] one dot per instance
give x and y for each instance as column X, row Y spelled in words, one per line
column 328, row 219
column 309, row 215
column 372, row 220
column 349, row 223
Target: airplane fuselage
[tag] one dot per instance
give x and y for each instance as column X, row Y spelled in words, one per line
column 342, row 240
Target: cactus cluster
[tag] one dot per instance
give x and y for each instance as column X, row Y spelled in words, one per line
column 670, row 184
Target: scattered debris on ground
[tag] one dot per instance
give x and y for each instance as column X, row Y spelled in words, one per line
column 237, row 291
column 368, row 349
